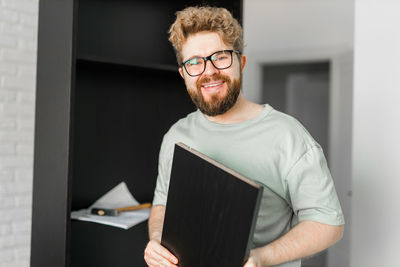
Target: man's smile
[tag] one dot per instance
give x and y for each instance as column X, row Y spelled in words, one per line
column 212, row 87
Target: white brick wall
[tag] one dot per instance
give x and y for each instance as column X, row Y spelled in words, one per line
column 18, row 43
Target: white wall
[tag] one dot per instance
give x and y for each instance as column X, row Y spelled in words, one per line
column 290, row 30
column 279, row 31
column 376, row 135
column 18, row 31
column 281, row 24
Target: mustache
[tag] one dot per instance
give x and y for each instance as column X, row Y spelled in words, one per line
column 214, row 77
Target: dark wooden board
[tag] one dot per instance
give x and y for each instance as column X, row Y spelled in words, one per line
column 210, row 213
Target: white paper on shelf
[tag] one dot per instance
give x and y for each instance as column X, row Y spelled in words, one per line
column 117, row 197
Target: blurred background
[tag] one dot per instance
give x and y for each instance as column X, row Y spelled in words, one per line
column 333, row 64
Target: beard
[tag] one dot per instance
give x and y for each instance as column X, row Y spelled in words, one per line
column 216, row 105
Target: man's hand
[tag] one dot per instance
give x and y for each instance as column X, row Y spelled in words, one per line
column 251, row 262
column 157, row 255
column 254, row 259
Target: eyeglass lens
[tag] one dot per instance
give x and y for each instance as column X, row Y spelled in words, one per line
column 220, row 60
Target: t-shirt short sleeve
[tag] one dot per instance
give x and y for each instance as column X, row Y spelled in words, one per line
column 164, row 170
column 311, row 188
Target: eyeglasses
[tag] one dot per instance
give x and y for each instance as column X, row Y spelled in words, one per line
column 220, row 60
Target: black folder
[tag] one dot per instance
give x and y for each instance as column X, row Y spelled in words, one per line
column 211, row 212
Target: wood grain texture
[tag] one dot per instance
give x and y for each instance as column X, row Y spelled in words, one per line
column 210, row 214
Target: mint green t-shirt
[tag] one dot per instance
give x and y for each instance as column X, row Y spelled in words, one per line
column 272, row 149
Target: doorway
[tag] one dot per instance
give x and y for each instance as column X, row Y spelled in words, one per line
column 302, row 91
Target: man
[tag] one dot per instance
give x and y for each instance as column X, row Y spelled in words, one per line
column 300, row 214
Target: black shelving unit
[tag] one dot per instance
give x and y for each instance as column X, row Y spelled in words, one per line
column 107, row 90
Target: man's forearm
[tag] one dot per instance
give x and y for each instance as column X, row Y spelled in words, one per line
column 156, row 221
column 305, row 239
column 155, row 254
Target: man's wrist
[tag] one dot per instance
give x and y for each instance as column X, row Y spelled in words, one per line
column 156, row 236
column 264, row 255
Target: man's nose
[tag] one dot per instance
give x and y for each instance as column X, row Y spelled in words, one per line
column 210, row 69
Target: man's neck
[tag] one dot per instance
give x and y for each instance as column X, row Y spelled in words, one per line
column 242, row 110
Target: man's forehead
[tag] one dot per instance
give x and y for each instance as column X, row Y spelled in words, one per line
column 203, row 44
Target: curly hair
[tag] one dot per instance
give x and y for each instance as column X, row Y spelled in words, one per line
column 195, row 19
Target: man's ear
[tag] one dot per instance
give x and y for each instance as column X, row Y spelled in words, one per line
column 243, row 60
column 181, row 72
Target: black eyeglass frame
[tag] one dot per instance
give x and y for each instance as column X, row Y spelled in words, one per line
column 209, row 58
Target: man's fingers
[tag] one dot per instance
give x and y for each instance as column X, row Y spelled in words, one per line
column 159, row 262
column 163, row 252
column 157, row 255
column 250, row 263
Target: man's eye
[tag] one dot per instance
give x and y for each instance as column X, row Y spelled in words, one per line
column 193, row 61
column 219, row 57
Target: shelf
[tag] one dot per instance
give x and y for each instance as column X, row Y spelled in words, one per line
column 124, row 30
column 127, row 63
column 100, row 119
column 95, row 244
column 120, row 116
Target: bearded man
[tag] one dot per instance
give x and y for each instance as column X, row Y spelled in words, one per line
column 299, row 214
